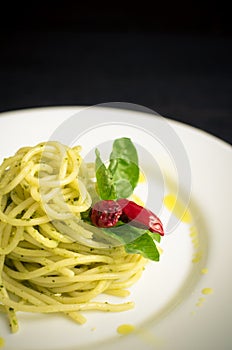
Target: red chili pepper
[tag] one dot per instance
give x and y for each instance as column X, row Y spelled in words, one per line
column 140, row 215
column 106, row 213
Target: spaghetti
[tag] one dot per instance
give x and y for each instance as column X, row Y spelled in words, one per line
column 49, row 262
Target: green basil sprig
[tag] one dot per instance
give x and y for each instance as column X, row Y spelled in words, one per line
column 120, row 178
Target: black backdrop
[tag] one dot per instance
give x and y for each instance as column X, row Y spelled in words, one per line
column 173, row 57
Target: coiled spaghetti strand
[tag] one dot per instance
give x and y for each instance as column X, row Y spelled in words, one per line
column 98, row 306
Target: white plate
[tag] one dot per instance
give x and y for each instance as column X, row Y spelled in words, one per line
column 171, row 312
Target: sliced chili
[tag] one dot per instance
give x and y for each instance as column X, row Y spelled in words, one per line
column 106, row 213
column 134, row 213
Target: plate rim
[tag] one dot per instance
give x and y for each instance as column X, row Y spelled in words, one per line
column 221, row 143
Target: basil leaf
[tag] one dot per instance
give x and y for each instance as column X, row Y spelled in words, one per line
column 122, row 175
column 135, row 240
column 105, row 184
column 125, row 233
column 124, row 167
column 124, row 149
column 145, row 246
column 155, row 236
column 85, row 216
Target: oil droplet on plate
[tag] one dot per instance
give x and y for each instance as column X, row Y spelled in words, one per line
column 142, row 178
column 204, row 271
column 200, row 301
column 197, row 257
column 2, row 342
column 178, row 208
column 207, row 291
column 193, row 233
column 125, row 329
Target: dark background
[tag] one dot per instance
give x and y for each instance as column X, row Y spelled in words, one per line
column 173, row 57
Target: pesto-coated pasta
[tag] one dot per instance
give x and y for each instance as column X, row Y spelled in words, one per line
column 49, row 262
